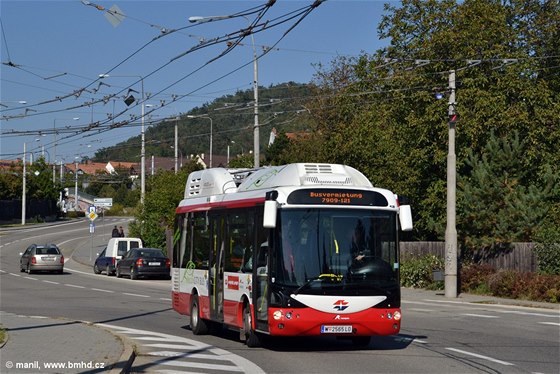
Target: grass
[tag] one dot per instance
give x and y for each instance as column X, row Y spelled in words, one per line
column 3, row 336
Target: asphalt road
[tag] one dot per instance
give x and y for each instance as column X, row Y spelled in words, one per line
column 439, row 335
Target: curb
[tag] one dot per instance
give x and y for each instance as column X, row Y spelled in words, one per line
column 127, row 357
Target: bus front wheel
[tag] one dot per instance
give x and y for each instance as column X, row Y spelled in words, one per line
column 198, row 325
column 248, row 334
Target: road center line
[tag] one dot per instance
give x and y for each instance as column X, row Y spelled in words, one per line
column 73, row 285
column 479, row 315
column 135, row 294
column 100, row 290
column 550, row 323
column 481, row 356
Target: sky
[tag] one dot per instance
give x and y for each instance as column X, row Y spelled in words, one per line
column 53, row 100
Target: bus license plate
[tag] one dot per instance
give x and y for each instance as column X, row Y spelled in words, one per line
column 336, row 329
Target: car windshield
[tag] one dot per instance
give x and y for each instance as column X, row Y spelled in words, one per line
column 320, row 249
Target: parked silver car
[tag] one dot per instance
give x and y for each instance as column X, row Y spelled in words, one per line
column 42, row 258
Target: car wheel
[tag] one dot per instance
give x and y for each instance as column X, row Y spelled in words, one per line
column 133, row 274
column 248, row 334
column 118, row 272
column 96, row 269
column 198, row 325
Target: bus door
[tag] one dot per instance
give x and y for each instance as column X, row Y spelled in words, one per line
column 218, row 245
column 261, row 294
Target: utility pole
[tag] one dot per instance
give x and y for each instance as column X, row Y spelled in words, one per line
column 451, row 229
column 23, row 197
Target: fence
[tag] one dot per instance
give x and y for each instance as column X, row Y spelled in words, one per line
column 40, row 209
column 519, row 257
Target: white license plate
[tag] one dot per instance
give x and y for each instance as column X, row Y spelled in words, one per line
column 336, row 329
column 154, row 263
column 48, row 258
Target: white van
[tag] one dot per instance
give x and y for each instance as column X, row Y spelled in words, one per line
column 113, row 252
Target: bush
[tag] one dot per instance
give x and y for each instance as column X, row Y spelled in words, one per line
column 482, row 279
column 418, row 272
column 116, row 210
column 75, row 214
column 547, row 251
column 474, row 278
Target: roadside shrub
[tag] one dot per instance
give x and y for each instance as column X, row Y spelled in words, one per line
column 501, row 283
column 544, row 288
column 116, row 210
column 547, row 251
column 418, row 272
column 483, row 279
column 474, row 278
column 75, row 214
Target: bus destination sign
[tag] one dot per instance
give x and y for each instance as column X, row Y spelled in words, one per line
column 323, row 196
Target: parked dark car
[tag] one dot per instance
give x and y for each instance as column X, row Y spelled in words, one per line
column 144, row 262
column 42, row 258
column 113, row 252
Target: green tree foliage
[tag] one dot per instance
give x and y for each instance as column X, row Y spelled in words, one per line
column 500, row 203
column 547, row 250
column 11, row 182
column 164, row 191
column 242, row 161
column 378, row 113
column 39, row 184
column 39, row 181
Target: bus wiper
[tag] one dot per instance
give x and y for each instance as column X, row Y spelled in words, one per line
column 331, row 277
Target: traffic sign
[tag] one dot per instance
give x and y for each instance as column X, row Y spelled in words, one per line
column 91, row 227
column 92, row 216
column 103, row 201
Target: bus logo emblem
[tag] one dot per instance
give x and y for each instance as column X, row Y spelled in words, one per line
column 340, row 305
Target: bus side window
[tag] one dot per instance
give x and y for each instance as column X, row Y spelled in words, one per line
column 201, row 241
column 182, row 248
column 239, row 256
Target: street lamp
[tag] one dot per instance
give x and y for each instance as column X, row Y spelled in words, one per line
column 143, row 146
column 230, row 142
column 206, row 116
column 176, row 144
column 54, row 133
column 256, row 135
column 76, row 200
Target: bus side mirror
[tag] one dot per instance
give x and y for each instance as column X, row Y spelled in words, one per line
column 405, row 217
column 269, row 218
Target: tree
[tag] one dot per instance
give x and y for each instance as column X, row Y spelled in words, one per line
column 164, row 191
column 378, row 113
column 499, row 203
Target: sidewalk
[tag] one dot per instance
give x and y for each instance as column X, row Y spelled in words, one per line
column 38, row 344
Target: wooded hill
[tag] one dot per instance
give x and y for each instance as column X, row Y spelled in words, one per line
column 280, row 106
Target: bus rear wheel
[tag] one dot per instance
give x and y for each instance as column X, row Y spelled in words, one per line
column 198, row 325
column 248, row 334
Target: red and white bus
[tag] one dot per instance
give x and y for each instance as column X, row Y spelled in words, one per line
column 293, row 250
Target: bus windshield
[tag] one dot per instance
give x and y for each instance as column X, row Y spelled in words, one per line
column 318, row 250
